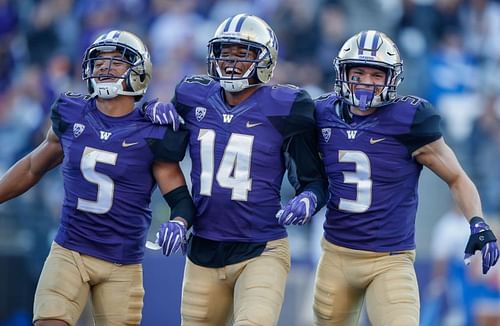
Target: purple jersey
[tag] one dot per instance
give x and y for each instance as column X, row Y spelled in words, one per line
column 237, row 156
column 373, row 178
column 108, row 177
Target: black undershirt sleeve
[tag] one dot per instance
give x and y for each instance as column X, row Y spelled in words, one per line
column 301, row 150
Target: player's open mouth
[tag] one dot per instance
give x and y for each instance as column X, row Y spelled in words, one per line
column 105, row 78
column 232, row 71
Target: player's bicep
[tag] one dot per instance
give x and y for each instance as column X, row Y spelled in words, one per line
column 47, row 155
column 168, row 175
column 439, row 158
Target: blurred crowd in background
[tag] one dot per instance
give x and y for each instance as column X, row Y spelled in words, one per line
column 451, row 52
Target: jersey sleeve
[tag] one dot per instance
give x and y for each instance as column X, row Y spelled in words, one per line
column 170, row 148
column 298, row 119
column 425, row 128
column 58, row 117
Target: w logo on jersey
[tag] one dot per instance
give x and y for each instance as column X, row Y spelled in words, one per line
column 326, row 132
column 351, row 134
column 105, row 135
column 78, row 129
column 200, row 112
column 227, row 118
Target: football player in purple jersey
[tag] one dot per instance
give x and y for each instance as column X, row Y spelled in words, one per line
column 112, row 158
column 244, row 136
column 374, row 144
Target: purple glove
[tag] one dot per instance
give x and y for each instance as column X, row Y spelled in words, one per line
column 162, row 113
column 298, row 210
column 481, row 238
column 171, row 237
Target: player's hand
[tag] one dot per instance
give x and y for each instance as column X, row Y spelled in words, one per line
column 298, row 210
column 171, row 237
column 481, row 238
column 162, row 113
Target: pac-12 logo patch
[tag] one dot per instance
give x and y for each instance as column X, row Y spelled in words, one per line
column 200, row 112
column 78, row 129
column 326, row 132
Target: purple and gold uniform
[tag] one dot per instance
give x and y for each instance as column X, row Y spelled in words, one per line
column 239, row 157
column 108, row 178
column 369, row 232
column 239, row 255
column 371, row 171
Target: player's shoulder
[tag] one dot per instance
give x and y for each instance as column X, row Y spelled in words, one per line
column 414, row 107
column 195, row 88
column 287, row 92
column 325, row 102
column 286, row 99
column 69, row 106
column 409, row 102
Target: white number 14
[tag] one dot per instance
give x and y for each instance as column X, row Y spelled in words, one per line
column 234, row 168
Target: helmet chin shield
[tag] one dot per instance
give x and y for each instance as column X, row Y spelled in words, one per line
column 233, row 83
column 245, row 31
column 370, row 49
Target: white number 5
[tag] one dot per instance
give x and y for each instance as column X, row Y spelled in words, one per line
column 105, row 185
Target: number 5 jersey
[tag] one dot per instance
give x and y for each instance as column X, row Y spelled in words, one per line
column 108, row 180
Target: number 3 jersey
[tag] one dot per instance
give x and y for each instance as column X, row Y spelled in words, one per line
column 239, row 156
column 108, row 180
column 373, row 177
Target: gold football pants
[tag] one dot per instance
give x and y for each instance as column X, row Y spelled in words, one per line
column 67, row 279
column 386, row 282
column 247, row 293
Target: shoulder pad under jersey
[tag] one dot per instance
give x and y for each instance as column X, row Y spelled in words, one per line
column 66, row 109
column 196, row 88
column 325, row 102
column 287, row 100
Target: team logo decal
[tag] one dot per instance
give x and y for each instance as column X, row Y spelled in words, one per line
column 200, row 112
column 326, row 132
column 78, row 129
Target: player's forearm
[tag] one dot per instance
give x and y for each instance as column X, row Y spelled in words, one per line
column 17, row 180
column 466, row 196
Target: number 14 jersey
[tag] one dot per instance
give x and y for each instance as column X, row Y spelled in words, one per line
column 240, row 154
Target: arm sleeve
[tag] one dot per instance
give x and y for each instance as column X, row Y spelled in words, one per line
column 301, row 150
column 425, row 128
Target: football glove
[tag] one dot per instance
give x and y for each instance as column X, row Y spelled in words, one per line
column 162, row 113
column 171, row 237
column 299, row 209
column 481, row 238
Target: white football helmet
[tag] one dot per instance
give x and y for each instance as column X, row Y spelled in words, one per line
column 134, row 81
column 253, row 33
column 373, row 49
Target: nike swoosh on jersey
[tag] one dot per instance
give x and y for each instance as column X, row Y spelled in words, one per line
column 374, row 141
column 251, row 125
column 125, row 144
